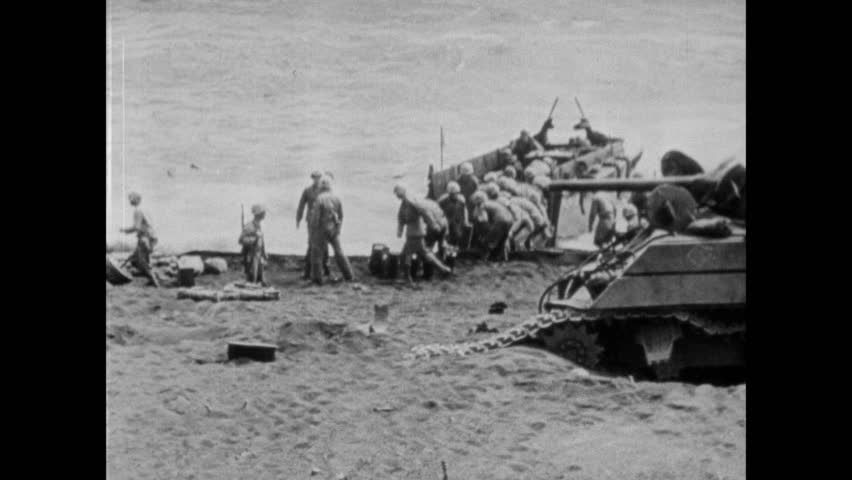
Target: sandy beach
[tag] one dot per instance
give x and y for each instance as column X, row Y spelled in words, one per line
column 340, row 403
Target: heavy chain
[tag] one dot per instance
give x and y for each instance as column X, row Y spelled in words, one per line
column 531, row 327
column 527, row 329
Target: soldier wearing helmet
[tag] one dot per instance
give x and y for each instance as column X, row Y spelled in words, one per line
column 509, row 172
column 523, row 146
column 309, row 195
column 326, row 221
column 413, row 218
column 253, row 247
column 146, row 239
column 455, row 209
column 468, row 183
column 496, row 220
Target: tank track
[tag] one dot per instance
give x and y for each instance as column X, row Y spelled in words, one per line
column 531, row 328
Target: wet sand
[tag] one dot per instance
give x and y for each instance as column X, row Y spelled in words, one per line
column 337, row 402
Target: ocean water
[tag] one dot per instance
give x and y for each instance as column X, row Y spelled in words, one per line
column 257, row 94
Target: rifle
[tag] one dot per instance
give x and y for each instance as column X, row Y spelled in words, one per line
column 582, row 114
column 550, row 115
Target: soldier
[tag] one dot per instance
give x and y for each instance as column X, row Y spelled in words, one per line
column 309, row 195
column 538, row 167
column 597, row 139
column 468, row 183
column 254, row 249
column 523, row 146
column 455, row 208
column 603, row 210
column 490, row 177
column 532, row 192
column 498, row 221
column 540, row 223
column 541, row 136
column 146, row 239
column 437, row 226
column 326, row 221
column 521, row 220
column 510, row 172
column 412, row 218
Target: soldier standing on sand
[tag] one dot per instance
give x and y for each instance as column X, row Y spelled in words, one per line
column 146, row 239
column 309, row 195
column 437, row 226
column 326, row 220
column 455, row 208
column 254, row 249
column 411, row 218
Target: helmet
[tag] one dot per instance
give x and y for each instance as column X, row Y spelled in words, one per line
column 478, row 197
column 541, row 182
column 492, row 190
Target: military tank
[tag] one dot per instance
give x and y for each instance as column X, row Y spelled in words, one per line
column 667, row 302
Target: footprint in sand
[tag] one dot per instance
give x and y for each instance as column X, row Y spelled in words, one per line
column 538, row 426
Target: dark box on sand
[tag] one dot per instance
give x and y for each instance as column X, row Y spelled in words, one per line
column 186, row 277
column 262, row 352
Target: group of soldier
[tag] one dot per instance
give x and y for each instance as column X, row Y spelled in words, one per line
column 495, row 215
column 499, row 213
column 322, row 209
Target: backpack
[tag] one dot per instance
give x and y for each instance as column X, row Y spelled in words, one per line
column 382, row 263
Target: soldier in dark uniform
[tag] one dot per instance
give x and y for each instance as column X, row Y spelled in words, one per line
column 597, row 139
column 455, row 209
column 523, row 146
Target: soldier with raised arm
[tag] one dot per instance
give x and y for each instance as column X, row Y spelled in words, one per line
column 146, row 239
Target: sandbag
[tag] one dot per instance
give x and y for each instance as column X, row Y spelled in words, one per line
column 537, row 168
column 215, row 265
column 191, row 262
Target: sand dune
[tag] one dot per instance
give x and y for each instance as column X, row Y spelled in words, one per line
column 338, row 402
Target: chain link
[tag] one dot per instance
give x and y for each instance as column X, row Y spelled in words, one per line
column 531, row 327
